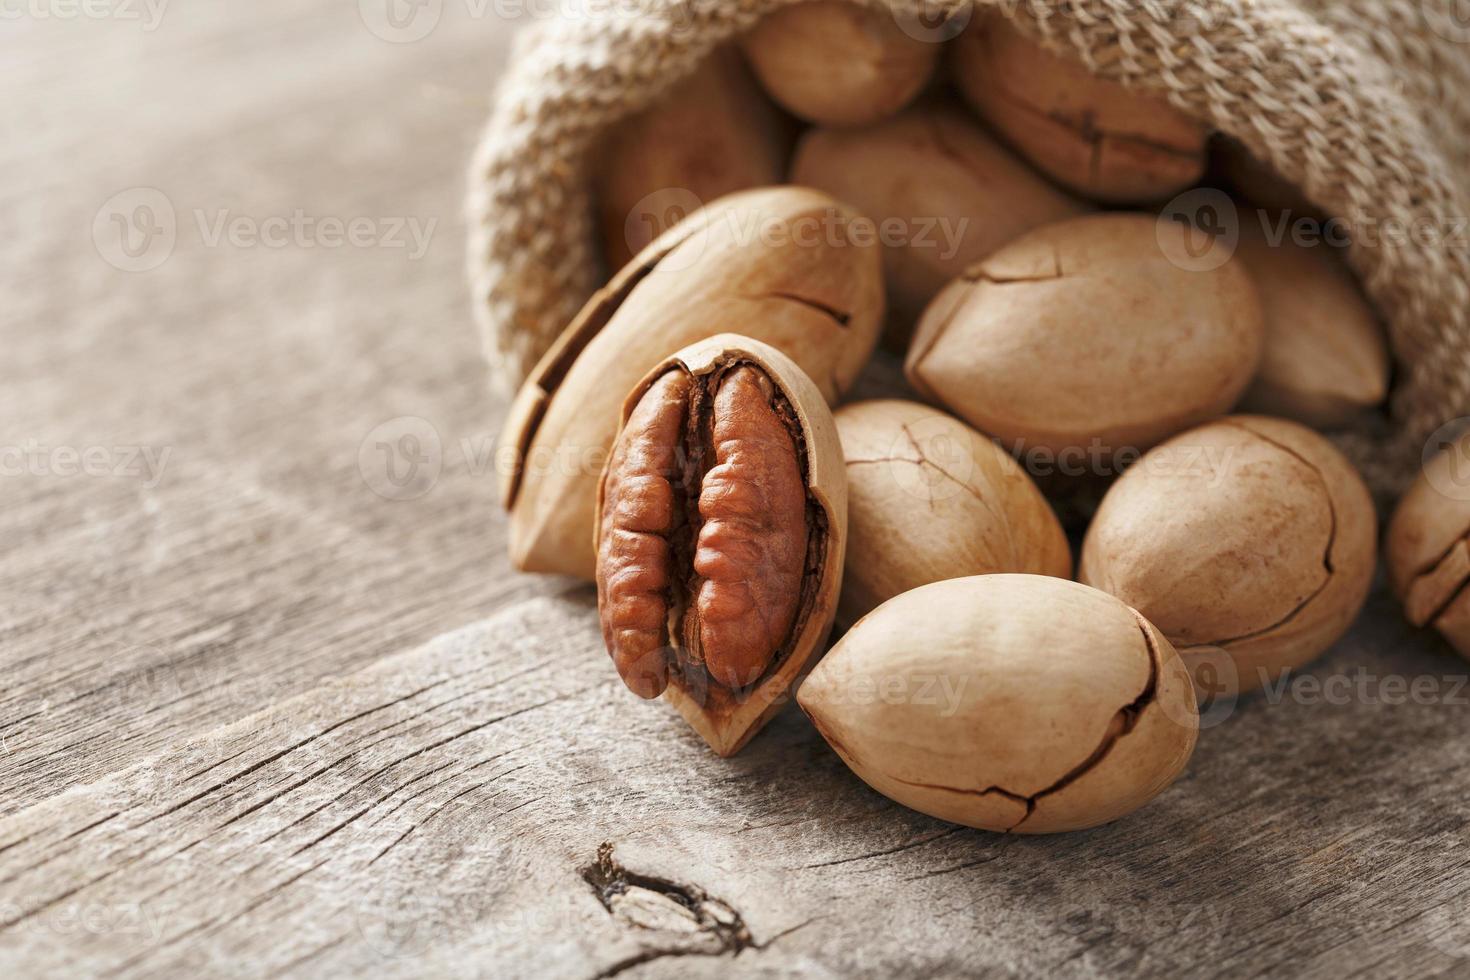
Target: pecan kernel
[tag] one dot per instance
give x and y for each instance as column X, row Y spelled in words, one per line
column 703, row 569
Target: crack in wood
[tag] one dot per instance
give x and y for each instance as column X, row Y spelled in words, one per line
column 908, row 846
column 396, row 841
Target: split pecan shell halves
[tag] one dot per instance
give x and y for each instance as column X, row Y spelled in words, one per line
column 719, row 534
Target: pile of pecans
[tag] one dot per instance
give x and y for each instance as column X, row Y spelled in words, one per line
column 1078, row 315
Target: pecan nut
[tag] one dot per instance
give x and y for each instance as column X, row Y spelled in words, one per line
column 718, row 540
column 1062, row 708
column 1250, row 542
column 1112, row 143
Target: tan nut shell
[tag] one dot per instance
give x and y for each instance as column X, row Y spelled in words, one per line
column 819, row 301
column 714, row 134
column 927, row 165
column 1326, row 357
column 1007, row 702
column 1251, row 535
column 838, row 64
column 1085, row 333
column 723, row 721
column 1104, row 141
column 932, row 499
column 1428, row 547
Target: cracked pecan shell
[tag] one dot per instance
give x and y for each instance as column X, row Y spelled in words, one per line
column 1428, row 547
column 1250, row 537
column 783, row 263
column 975, row 196
column 929, row 499
column 1085, row 339
column 720, row 534
column 1113, row 144
column 1015, row 703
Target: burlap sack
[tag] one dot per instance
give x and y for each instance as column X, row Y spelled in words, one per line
column 1364, row 104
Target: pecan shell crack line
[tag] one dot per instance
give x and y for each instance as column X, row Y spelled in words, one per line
column 1086, row 127
column 1452, row 594
column 1300, row 607
column 837, row 316
column 1122, row 724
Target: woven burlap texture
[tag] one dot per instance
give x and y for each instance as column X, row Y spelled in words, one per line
column 1364, row 104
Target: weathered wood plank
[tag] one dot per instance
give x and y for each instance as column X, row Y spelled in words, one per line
column 185, row 788
column 443, row 811
column 140, row 607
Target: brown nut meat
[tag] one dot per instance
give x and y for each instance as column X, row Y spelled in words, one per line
column 835, row 63
column 1428, row 546
column 1013, row 703
column 930, row 499
column 785, row 264
column 1326, row 358
column 721, row 530
column 714, row 134
column 1109, row 143
column 958, row 193
column 1250, row 542
column 1090, row 337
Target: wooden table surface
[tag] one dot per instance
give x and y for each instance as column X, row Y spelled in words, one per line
column 274, row 703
